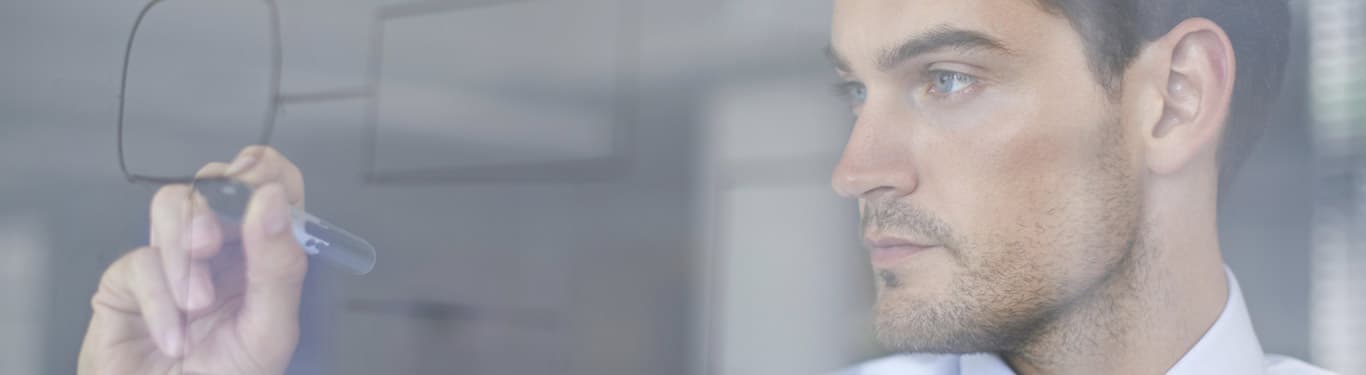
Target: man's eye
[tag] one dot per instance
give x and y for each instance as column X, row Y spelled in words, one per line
column 854, row 92
column 943, row 82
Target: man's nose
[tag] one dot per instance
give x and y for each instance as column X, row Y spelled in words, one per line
column 877, row 159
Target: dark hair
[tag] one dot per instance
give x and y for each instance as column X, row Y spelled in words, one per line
column 1115, row 30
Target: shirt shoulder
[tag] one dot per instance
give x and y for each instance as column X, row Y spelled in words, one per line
column 1282, row 365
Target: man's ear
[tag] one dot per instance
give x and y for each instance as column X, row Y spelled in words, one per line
column 1200, row 69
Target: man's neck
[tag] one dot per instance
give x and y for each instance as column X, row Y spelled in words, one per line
column 1143, row 318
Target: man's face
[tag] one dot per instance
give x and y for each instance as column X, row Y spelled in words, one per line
column 995, row 176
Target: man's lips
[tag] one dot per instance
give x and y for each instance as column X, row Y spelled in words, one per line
column 887, row 251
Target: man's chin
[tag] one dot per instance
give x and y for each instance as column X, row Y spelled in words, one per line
column 908, row 291
column 907, row 321
column 918, row 276
column 940, row 341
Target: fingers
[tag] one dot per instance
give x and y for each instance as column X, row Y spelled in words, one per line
column 260, row 165
column 226, row 234
column 158, row 285
column 135, row 283
column 186, row 234
column 159, row 313
column 275, row 268
column 214, row 169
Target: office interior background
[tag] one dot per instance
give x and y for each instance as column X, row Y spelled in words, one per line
column 577, row 186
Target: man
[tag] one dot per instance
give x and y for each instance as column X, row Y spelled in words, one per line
column 1038, row 180
column 1038, row 183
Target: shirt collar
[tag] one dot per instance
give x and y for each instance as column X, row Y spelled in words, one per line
column 1230, row 346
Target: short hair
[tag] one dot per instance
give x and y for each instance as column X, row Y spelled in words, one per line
column 1114, row 32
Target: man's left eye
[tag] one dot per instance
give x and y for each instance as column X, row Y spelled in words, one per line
column 943, row 82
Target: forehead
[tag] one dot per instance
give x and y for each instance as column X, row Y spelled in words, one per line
column 861, row 27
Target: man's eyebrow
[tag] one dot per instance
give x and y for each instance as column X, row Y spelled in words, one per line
column 936, row 39
column 836, row 59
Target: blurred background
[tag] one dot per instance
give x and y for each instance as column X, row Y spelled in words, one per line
column 633, row 187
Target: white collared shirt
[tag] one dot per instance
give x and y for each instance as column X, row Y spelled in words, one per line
column 1230, row 346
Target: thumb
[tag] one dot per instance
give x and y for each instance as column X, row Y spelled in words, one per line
column 275, row 267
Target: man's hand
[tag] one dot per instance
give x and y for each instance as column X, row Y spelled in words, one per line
column 203, row 298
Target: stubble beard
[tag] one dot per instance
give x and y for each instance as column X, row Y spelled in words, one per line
column 998, row 301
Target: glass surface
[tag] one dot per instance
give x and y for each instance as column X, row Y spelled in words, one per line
column 538, row 81
column 720, row 229
column 191, row 98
